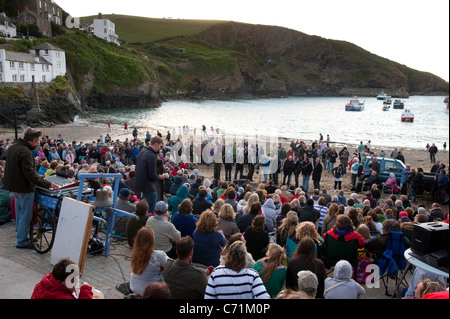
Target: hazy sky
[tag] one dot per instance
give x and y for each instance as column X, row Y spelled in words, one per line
column 411, row 32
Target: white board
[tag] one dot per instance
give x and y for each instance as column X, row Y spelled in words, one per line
column 72, row 232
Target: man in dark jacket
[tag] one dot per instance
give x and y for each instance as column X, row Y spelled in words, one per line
column 433, row 150
column 200, row 204
column 287, row 170
column 21, row 178
column 308, row 213
column 317, row 173
column 146, row 176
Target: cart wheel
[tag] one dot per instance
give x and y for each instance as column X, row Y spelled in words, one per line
column 42, row 230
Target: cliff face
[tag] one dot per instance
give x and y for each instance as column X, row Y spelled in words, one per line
column 42, row 105
column 290, row 62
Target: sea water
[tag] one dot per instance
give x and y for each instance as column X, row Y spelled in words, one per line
column 302, row 118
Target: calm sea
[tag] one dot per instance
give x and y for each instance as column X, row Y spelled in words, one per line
column 302, row 118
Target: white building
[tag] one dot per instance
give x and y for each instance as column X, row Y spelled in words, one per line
column 7, row 28
column 43, row 64
column 105, row 29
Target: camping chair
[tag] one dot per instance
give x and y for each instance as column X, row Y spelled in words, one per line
column 392, row 261
column 336, row 249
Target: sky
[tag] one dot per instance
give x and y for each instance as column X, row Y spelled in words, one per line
column 411, row 32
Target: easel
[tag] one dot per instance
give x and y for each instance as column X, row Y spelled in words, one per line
column 110, row 217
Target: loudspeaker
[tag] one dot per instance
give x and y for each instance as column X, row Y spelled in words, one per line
column 429, row 237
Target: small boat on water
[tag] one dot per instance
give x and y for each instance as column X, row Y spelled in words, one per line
column 388, row 100
column 354, row 105
column 399, row 104
column 382, row 96
column 407, row 116
column 385, row 107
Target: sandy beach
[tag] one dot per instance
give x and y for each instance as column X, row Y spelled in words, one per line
column 81, row 132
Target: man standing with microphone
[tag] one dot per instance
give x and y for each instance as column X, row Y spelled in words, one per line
column 21, row 178
column 146, row 175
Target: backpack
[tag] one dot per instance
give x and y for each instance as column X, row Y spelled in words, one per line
column 5, row 206
column 361, row 271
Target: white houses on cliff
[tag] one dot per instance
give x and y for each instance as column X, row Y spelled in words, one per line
column 43, row 64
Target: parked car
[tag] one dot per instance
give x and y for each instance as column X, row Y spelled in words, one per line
column 390, row 165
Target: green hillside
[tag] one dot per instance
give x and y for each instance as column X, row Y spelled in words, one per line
column 133, row 29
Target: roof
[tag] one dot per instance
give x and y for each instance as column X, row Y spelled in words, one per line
column 46, row 46
column 23, row 57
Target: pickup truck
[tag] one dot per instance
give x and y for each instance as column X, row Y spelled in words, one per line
column 390, row 165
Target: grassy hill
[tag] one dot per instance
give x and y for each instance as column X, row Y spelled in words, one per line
column 133, row 29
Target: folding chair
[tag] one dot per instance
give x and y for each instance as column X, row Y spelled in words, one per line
column 336, row 250
column 392, row 261
column 386, row 189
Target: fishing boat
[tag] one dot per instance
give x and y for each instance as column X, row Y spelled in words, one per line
column 407, row 116
column 399, row 104
column 388, row 100
column 354, row 105
column 382, row 96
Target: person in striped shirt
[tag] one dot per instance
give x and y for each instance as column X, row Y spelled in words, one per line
column 234, row 280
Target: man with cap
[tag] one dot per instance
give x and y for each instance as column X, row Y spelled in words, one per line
column 123, row 203
column 166, row 235
column 308, row 283
column 21, row 178
column 308, row 212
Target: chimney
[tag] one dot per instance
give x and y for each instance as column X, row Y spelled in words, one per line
column 100, row 15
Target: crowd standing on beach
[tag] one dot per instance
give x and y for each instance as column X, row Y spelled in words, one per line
column 263, row 234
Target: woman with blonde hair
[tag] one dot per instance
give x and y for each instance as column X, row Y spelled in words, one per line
column 208, row 241
column 330, row 219
column 309, row 229
column 146, row 262
column 252, row 199
column 225, row 250
column 226, row 221
column 272, row 269
column 287, row 228
column 295, row 205
column 425, row 286
column 217, row 206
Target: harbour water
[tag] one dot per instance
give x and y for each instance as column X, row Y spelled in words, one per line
column 302, row 118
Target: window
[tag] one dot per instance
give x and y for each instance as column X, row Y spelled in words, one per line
column 393, row 167
column 14, row 78
column 12, row 65
column 20, row 65
column 32, row 67
column 22, row 78
column 44, row 79
column 58, row 64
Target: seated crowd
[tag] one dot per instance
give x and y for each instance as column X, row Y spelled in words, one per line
column 231, row 239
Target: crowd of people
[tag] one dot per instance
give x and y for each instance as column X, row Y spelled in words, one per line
column 212, row 238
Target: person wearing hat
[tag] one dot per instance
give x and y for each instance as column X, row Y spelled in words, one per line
column 123, row 203
column 21, row 178
column 308, row 212
column 166, row 235
column 308, row 283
